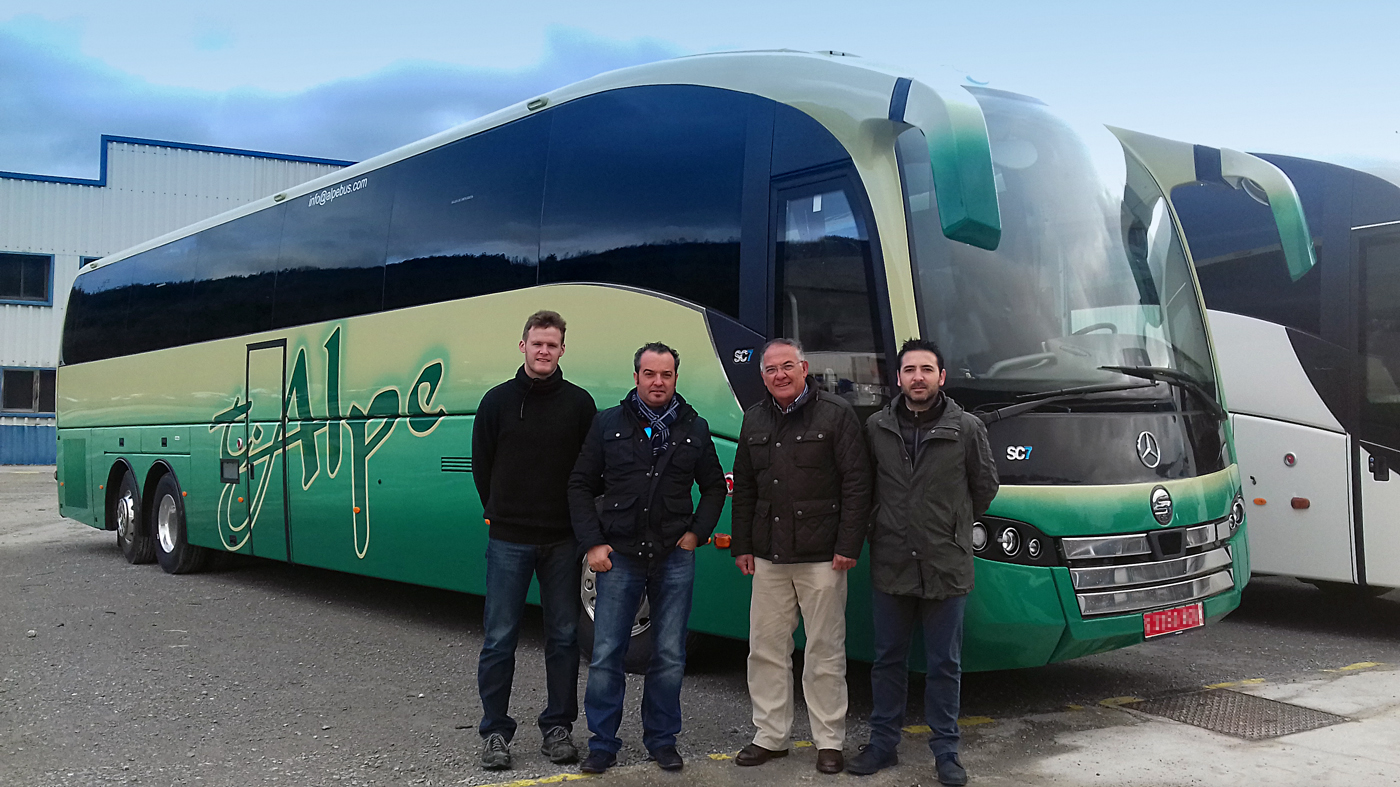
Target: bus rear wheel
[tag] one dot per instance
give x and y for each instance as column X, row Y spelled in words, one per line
column 174, row 551
column 124, row 514
column 638, row 648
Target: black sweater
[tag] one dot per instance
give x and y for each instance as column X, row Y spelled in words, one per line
column 525, row 439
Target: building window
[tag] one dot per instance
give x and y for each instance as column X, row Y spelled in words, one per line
column 26, row 278
column 27, row 390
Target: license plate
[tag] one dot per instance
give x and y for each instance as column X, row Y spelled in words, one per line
column 1168, row 621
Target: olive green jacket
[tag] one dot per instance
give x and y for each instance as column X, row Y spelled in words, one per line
column 921, row 536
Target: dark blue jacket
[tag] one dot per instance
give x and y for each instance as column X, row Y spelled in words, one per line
column 620, row 496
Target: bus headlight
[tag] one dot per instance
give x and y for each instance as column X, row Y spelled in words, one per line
column 979, row 536
column 1010, row 540
column 1033, row 547
column 1236, row 514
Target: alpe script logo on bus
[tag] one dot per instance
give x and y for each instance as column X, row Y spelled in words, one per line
column 364, row 429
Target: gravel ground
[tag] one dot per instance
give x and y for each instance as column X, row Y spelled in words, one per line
column 260, row 673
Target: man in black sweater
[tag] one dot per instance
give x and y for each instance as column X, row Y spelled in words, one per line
column 525, row 439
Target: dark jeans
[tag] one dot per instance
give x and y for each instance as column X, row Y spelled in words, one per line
column 894, row 618
column 668, row 586
column 509, row 568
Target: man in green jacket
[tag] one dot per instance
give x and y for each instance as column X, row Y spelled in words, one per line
column 934, row 474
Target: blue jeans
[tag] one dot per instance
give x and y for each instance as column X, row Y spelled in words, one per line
column 509, row 568
column 668, row 585
column 894, row 618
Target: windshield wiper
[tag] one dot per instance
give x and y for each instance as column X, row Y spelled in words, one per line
column 1035, row 400
column 1174, row 377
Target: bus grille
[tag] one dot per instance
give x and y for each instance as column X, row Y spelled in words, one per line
column 1139, row 572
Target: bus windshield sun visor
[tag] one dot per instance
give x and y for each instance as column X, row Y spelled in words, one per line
column 1175, row 164
column 960, row 153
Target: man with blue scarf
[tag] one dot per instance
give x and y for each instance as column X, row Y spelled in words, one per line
column 630, row 502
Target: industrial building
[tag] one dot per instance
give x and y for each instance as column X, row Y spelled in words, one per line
column 52, row 226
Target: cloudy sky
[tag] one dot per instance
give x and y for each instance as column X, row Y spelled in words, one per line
column 352, row 79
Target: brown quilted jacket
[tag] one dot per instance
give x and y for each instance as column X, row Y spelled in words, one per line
column 801, row 482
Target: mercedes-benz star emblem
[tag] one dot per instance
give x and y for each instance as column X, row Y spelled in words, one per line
column 1148, row 450
column 1161, row 504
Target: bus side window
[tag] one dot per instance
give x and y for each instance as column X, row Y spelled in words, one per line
column 826, row 290
column 331, row 262
column 160, row 303
column 235, row 272
column 644, row 189
column 1380, row 337
column 95, row 326
column 467, row 217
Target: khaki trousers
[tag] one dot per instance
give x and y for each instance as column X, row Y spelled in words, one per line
column 779, row 591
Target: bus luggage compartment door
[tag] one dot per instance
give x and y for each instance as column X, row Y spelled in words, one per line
column 266, row 426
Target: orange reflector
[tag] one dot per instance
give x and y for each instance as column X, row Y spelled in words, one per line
column 1300, row 502
column 722, row 540
column 184, row 494
column 357, row 509
column 60, row 483
column 240, row 500
column 1259, row 501
column 488, row 521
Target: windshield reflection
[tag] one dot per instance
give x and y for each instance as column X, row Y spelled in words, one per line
column 1090, row 271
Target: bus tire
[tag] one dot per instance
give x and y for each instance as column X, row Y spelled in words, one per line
column 124, row 516
column 174, row 551
column 638, row 649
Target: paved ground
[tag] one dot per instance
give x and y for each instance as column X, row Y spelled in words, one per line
column 260, row 673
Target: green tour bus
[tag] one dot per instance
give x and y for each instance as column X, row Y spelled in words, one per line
column 296, row 379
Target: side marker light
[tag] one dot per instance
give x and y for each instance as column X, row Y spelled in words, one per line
column 1259, row 501
column 357, row 509
column 722, row 540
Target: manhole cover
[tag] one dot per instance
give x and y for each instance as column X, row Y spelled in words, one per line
column 1242, row 715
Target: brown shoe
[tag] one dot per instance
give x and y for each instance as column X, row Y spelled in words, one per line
column 753, row 754
column 830, row 761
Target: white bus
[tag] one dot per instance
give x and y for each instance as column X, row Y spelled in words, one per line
column 1310, row 359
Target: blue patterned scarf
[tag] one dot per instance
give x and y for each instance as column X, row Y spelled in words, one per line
column 660, row 423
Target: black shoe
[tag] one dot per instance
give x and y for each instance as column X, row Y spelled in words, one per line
column 495, row 752
column 668, row 758
column 597, row 761
column 558, row 746
column 870, row 760
column 950, row 771
column 753, row 754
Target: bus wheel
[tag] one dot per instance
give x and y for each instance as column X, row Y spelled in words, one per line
column 638, row 650
column 176, row 554
column 124, row 511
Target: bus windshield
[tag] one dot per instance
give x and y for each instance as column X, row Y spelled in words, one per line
column 1090, row 271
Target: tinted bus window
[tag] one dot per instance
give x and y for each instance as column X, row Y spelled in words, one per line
column 95, row 327
column 1239, row 258
column 331, row 263
column 467, row 217
column 160, row 303
column 644, row 189
column 235, row 280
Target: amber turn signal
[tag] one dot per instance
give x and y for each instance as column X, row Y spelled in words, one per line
column 1259, row 501
column 1300, row 503
column 722, row 540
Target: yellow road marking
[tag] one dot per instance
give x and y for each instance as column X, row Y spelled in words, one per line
column 1357, row 666
column 721, row 756
column 1230, row 683
column 1074, row 707
column 918, row 729
column 555, row 779
column 801, row 744
column 1114, row 702
column 973, row 721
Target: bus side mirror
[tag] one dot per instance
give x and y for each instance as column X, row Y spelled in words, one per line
column 960, row 153
column 1174, row 164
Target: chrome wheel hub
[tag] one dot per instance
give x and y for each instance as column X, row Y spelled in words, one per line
column 165, row 523
column 588, row 591
column 126, row 516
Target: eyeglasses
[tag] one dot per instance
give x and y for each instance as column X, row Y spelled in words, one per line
column 789, row 367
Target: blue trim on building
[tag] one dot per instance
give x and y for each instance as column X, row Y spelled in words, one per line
column 28, row 445
column 101, row 180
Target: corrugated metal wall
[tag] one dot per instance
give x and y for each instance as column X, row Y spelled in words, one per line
column 28, row 444
column 150, row 190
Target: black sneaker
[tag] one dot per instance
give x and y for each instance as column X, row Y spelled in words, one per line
column 950, row 770
column 495, row 752
column 871, row 759
column 558, row 746
column 668, row 758
column 597, row 761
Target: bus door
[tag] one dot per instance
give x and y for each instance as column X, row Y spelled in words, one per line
column 829, row 283
column 1377, row 251
column 266, row 426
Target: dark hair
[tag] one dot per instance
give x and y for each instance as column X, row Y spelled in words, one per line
column 912, row 345
column 659, row 349
column 783, row 342
column 544, row 318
